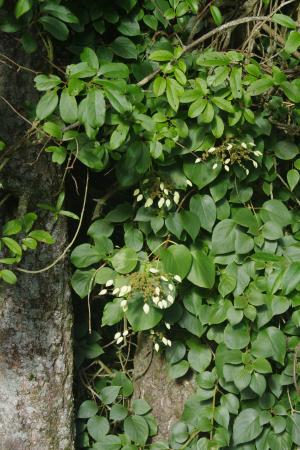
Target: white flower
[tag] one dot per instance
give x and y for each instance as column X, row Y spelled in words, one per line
column 170, row 299
column 115, row 291
column 136, row 192
column 189, row 183
column 156, row 347
column 176, row 197
column 161, row 202
column 168, row 203
column 247, row 171
column 160, row 305
column 151, row 331
column 197, row 160
column 252, row 144
column 120, row 340
column 227, row 161
column 164, row 278
column 169, row 343
column 257, row 153
column 244, row 145
column 145, row 180
column 164, row 303
column 123, row 303
column 103, row 292
column 229, row 146
column 168, row 326
column 123, row 291
column 178, row 278
column 165, row 341
column 109, row 283
column 211, row 150
column 146, row 308
column 152, row 270
column 117, row 335
column 157, row 290
column 139, row 198
column 155, row 300
column 148, row 203
column 161, row 186
column 166, row 191
column 125, row 333
column 215, row 166
column 226, row 168
column 255, row 164
column 171, row 287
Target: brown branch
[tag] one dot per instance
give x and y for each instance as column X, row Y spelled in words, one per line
column 278, row 38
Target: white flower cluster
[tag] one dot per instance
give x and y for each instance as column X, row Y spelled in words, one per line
column 122, row 291
column 167, row 342
column 227, row 161
column 164, row 294
column 163, row 196
column 120, row 337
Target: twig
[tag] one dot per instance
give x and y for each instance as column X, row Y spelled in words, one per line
column 44, row 269
column 278, row 38
column 15, row 111
column 20, row 67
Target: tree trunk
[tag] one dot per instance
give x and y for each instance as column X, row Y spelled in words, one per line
column 165, row 396
column 36, row 360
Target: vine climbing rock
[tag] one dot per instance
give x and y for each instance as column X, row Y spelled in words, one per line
column 36, row 357
column 152, row 383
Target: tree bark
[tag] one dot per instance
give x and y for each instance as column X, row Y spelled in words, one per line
column 36, row 357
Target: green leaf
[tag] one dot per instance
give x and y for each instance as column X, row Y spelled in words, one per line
column 112, row 313
column 82, row 282
column 172, row 91
column 150, row 21
column 258, row 384
column 42, row 236
column 8, row 276
column 159, row 86
column 178, row 370
column 191, row 223
column 85, row 255
column 197, row 107
column 177, row 260
column 292, row 42
column 199, row 357
column 55, row 27
column 138, row 319
column 47, row 104
column 95, row 108
column 293, row 178
column 97, row 427
column 205, row 208
column 136, row 428
column 201, row 174
column 276, row 211
column 246, row 426
column 124, row 260
column 223, row 104
column 285, row 21
column 260, row 86
column 237, row 336
column 140, row 407
column 286, row 150
column 161, row 56
column 236, row 82
column 12, row 227
column 12, row 245
column 129, row 27
column 270, row 343
column 109, row 394
column 216, row 15
column 176, row 352
column 68, row 107
column 291, row 278
column 202, row 273
column 87, row 409
column 124, row 47
column 118, row 413
column 224, row 237
column 114, row 70
column 213, row 59
column 295, row 419
column 22, row 7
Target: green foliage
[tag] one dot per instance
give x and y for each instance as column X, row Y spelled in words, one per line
column 201, row 249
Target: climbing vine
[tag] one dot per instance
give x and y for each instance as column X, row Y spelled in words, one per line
column 191, row 112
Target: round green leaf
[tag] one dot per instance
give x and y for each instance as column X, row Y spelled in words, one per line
column 125, row 260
